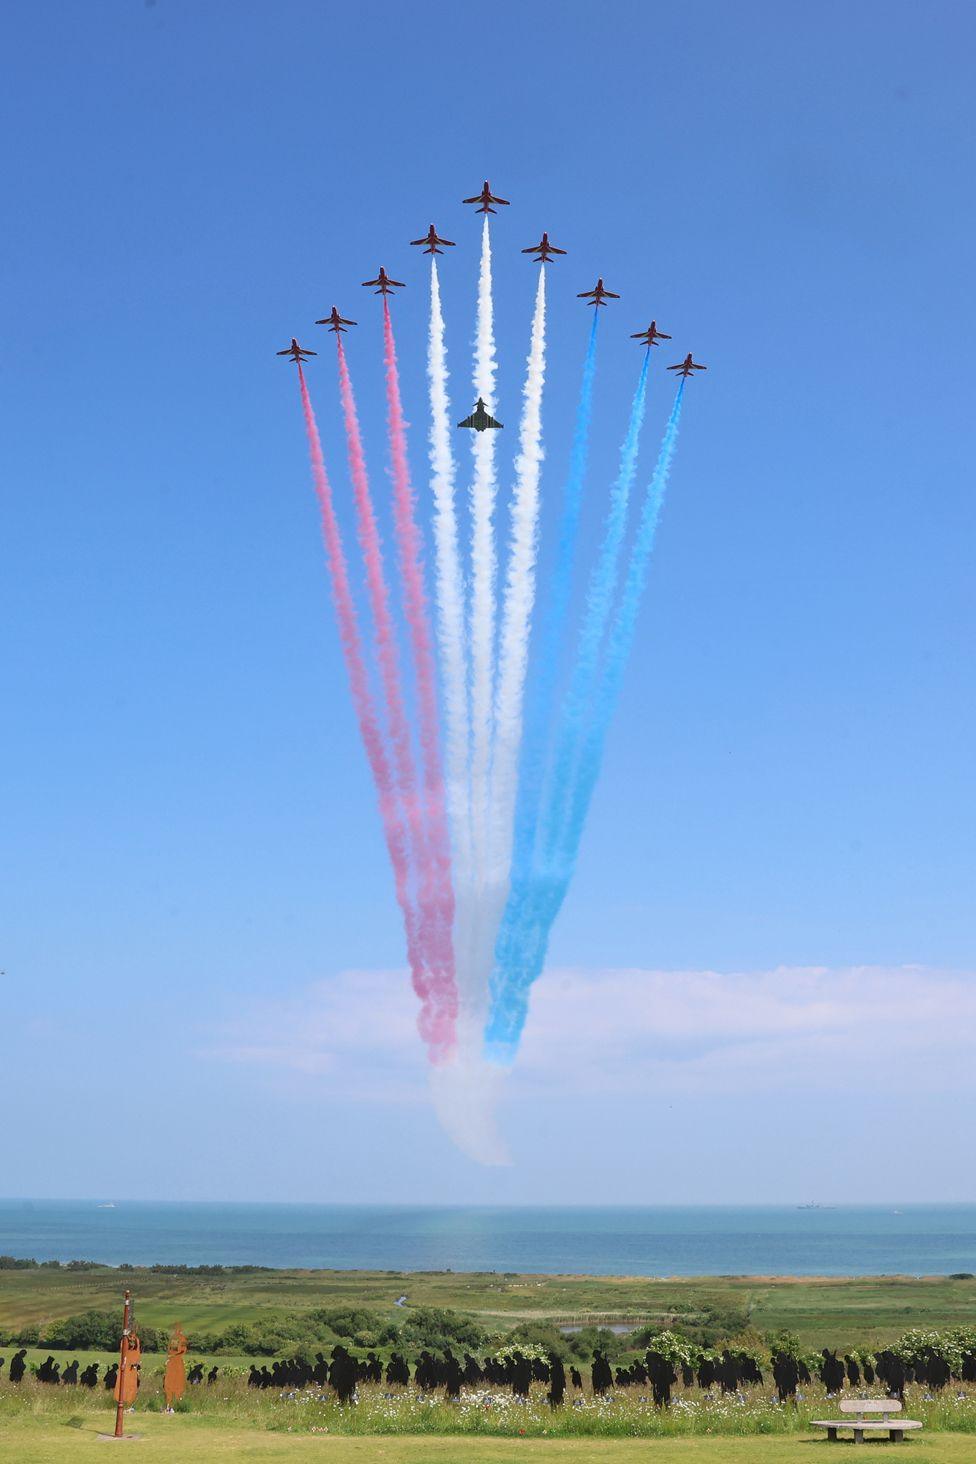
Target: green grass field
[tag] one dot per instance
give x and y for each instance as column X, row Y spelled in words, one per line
column 841, row 1312
column 188, row 1439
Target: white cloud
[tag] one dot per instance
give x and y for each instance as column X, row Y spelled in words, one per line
column 639, row 1033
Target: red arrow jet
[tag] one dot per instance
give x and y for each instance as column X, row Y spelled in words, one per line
column 598, row 296
column 336, row 322
column 431, row 239
column 386, row 285
column 485, row 199
column 297, row 353
column 651, row 335
column 543, row 250
column 687, row 366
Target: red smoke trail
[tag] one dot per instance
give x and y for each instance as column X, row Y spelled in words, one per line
column 436, row 1025
column 440, row 974
column 386, row 646
column 410, row 546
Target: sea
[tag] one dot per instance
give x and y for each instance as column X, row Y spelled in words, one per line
column 857, row 1240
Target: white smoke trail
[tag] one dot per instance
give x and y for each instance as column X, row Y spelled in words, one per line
column 472, row 979
column 450, row 625
column 517, row 612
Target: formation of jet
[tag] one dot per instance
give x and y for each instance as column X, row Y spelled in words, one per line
column 480, row 418
column 297, row 353
column 687, row 366
column 597, row 296
column 543, row 251
column 386, row 285
column 485, row 199
column 336, row 322
column 651, row 335
column 431, row 239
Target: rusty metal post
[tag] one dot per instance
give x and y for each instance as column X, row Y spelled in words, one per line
column 123, row 1354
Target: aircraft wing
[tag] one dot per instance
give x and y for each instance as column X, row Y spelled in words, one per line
column 491, row 422
column 476, row 199
column 499, row 200
column 424, row 240
column 468, row 421
column 554, row 250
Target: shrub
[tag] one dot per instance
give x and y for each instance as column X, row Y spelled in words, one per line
column 429, row 1326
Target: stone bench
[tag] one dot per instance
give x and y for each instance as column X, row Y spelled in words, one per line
column 869, row 1415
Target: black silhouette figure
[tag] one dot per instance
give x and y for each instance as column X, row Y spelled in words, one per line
column 831, row 1371
column 49, row 1371
column 89, row 1377
column 853, row 1370
column 576, row 1377
column 662, row 1377
column 342, row 1374
column 557, row 1382
column 70, row 1374
column 398, row 1370
column 195, row 1375
column 18, row 1366
column 786, row 1376
column 111, row 1377
column 521, row 1375
column 601, row 1378
column 453, row 1376
column 212, row 1375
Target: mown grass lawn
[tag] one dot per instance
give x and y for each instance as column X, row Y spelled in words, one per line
column 184, row 1438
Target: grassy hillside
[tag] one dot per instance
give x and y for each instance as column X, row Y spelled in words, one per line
column 830, row 1311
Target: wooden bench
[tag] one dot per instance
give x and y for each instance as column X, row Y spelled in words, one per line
column 863, row 1422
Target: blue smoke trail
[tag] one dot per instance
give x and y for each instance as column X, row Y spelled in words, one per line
column 529, row 899
column 506, row 1024
column 542, row 688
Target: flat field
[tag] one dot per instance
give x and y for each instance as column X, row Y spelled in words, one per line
column 824, row 1311
column 187, row 1439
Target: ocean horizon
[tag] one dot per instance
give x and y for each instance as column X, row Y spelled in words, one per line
column 674, row 1240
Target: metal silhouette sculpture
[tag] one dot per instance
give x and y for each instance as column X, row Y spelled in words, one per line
column 174, row 1378
column 130, row 1360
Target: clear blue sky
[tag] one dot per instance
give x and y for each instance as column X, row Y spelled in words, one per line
column 188, row 831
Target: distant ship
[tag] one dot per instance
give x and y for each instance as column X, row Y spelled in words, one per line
column 813, row 1205
column 109, row 1206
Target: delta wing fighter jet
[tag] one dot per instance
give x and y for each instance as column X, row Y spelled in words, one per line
column 480, row 418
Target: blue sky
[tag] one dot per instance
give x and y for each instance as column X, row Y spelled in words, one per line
column 189, row 842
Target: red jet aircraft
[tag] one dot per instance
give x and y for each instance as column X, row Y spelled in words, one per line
column 384, row 282
column 296, row 352
column 687, row 366
column 336, row 322
column 543, row 250
column 651, row 335
column 598, row 296
column 432, row 240
column 485, row 199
